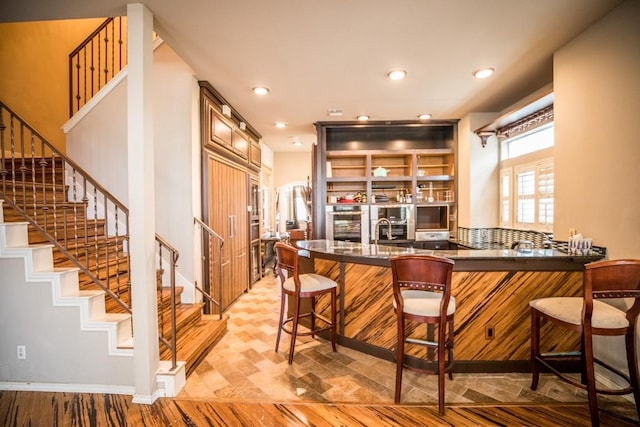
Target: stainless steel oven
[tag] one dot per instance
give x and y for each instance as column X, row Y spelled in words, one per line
column 401, row 223
column 347, row 222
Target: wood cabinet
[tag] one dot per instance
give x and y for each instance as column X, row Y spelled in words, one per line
column 227, row 208
column 255, row 154
column 385, row 163
column 230, row 159
column 228, row 134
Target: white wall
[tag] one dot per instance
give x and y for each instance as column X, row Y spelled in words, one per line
column 291, row 167
column 597, row 154
column 98, row 142
column 177, row 160
column 58, row 353
column 477, row 174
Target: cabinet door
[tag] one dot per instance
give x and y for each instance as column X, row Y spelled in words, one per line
column 240, row 241
column 221, row 130
column 255, row 153
column 227, row 207
column 240, row 144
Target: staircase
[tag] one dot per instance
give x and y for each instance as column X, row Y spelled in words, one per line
column 49, row 202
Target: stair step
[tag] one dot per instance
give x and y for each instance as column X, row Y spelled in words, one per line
column 43, row 169
column 67, row 210
column 187, row 316
column 194, row 345
column 165, row 295
column 27, row 195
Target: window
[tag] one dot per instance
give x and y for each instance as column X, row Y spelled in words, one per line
column 527, row 180
column 530, row 197
column 535, row 140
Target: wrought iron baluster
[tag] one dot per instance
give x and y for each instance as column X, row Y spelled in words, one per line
column 74, row 190
column 104, row 237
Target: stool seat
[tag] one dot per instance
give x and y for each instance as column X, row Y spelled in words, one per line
column 569, row 309
column 424, row 303
column 309, row 282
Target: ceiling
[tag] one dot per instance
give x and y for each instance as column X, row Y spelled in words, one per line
column 335, row 54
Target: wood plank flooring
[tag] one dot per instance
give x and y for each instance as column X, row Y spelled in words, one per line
column 18, row 408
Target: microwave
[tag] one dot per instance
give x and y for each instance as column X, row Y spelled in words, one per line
column 432, row 218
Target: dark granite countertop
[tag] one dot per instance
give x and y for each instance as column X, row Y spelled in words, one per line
column 467, row 259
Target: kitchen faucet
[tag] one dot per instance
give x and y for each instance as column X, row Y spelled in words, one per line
column 377, row 231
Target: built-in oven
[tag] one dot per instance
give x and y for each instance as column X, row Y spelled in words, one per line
column 392, row 222
column 432, row 222
column 347, row 222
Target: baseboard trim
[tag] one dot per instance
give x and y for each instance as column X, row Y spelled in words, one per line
column 68, row 388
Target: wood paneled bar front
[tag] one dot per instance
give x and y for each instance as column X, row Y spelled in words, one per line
column 492, row 289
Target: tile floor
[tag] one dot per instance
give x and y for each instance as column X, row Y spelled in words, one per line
column 245, row 366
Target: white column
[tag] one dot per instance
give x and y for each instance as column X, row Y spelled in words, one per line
column 142, row 201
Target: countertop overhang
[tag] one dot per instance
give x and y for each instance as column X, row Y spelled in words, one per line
column 465, row 259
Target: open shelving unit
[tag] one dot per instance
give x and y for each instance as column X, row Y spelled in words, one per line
column 382, row 162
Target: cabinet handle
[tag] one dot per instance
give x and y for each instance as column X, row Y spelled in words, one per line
column 232, row 227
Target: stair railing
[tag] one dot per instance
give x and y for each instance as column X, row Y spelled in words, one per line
column 96, row 61
column 76, row 214
column 212, row 244
column 173, row 263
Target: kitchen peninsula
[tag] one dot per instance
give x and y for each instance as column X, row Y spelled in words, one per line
column 492, row 290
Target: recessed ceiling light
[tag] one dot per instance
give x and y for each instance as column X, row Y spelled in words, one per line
column 424, row 116
column 483, row 73
column 280, row 125
column 397, row 74
column 260, row 90
column 363, row 118
column 297, row 143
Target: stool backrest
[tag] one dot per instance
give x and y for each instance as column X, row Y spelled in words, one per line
column 296, row 235
column 612, row 279
column 423, row 273
column 287, row 260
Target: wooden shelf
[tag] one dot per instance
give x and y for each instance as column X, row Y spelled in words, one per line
column 435, row 178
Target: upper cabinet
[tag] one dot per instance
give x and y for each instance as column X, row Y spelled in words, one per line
column 226, row 132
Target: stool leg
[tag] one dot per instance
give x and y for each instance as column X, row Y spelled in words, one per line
column 312, row 316
column 632, row 363
column 591, row 377
column 535, row 347
column 441, row 365
column 450, row 346
column 294, row 327
column 282, row 298
column 399, row 357
column 334, row 322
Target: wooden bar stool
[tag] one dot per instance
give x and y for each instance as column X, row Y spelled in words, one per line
column 296, row 235
column 422, row 294
column 590, row 316
column 298, row 286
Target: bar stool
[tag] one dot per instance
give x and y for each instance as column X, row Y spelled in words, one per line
column 296, row 235
column 298, row 286
column 591, row 316
column 422, row 294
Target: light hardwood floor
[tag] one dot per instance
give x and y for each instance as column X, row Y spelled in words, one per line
column 76, row 409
